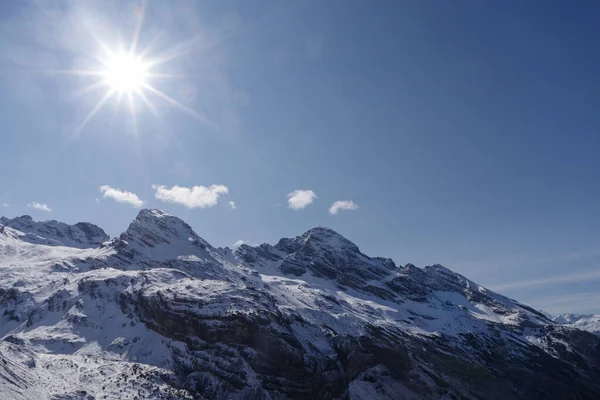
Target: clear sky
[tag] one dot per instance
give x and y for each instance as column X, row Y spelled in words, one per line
column 464, row 133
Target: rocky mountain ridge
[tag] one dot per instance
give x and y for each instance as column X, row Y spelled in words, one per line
column 160, row 313
column 54, row 233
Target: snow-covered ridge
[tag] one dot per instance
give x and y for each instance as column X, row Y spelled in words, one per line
column 585, row 322
column 158, row 311
column 54, row 233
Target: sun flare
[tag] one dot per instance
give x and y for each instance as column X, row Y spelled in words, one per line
column 125, row 73
column 128, row 74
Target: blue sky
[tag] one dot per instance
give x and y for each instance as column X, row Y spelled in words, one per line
column 465, row 133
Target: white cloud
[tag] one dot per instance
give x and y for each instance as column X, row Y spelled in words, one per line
column 39, row 206
column 299, row 199
column 5, row 205
column 239, row 243
column 121, row 196
column 232, row 205
column 194, row 197
column 342, row 205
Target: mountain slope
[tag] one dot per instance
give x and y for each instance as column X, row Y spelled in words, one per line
column 160, row 310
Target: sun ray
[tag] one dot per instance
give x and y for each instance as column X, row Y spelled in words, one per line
column 132, row 109
column 119, row 98
column 165, row 75
column 185, row 48
column 197, row 43
column 96, row 108
column 177, row 104
column 152, row 43
column 105, row 49
column 116, row 110
column 138, row 28
column 147, row 102
column 88, row 89
column 80, row 72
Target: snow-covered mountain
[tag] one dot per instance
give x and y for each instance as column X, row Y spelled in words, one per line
column 158, row 313
column 54, row 233
column 586, row 322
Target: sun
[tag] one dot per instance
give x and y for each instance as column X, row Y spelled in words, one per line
column 125, row 73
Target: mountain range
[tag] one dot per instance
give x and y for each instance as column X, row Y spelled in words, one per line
column 159, row 313
column 586, row 322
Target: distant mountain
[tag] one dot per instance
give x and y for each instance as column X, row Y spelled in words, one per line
column 54, row 233
column 586, row 322
column 159, row 313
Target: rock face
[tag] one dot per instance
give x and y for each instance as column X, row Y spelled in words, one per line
column 159, row 236
column 159, row 313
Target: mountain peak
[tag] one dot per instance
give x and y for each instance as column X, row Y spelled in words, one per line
column 321, row 230
column 327, row 237
column 152, row 213
column 317, row 238
column 23, row 219
column 160, row 234
column 567, row 319
column 156, row 226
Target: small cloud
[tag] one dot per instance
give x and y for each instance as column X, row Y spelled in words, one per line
column 238, row 243
column 6, row 205
column 232, row 205
column 39, row 206
column 98, row 200
column 120, row 196
column 299, row 199
column 342, row 205
column 194, row 197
